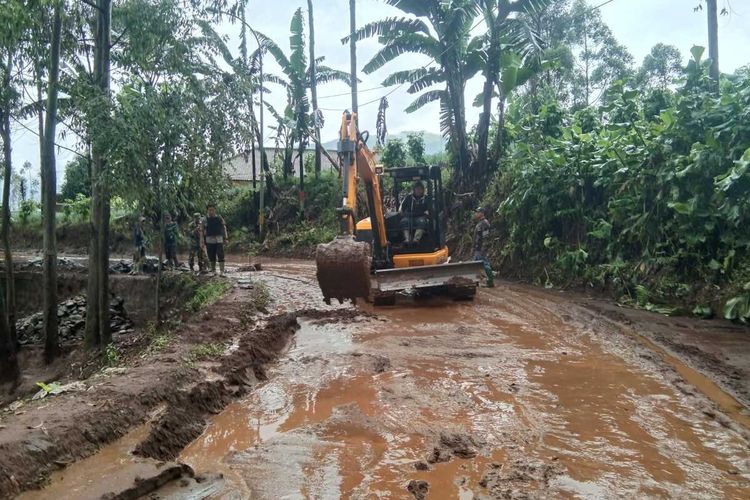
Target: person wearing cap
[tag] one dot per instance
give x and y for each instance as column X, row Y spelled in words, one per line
column 481, row 235
column 216, row 237
column 139, row 239
column 171, row 234
column 197, row 243
column 414, row 212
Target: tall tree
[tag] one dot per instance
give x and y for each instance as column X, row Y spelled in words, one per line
column 15, row 17
column 440, row 32
column 661, row 66
column 601, row 59
column 98, row 332
column 12, row 18
column 507, row 44
column 299, row 78
column 49, row 191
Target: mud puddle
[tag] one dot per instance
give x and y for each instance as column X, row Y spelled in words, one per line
column 517, row 393
column 83, row 479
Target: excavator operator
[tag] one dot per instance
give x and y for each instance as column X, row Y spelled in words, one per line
column 414, row 215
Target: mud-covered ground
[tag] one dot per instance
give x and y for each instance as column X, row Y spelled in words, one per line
column 522, row 392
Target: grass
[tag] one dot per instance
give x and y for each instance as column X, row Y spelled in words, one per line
column 261, row 296
column 205, row 351
column 160, row 339
column 207, row 294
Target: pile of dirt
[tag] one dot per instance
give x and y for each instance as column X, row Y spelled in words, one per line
column 71, row 317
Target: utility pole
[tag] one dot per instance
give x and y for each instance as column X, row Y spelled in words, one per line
column 314, row 88
column 713, row 39
column 353, row 53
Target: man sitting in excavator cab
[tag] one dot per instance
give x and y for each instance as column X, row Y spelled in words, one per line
column 415, row 213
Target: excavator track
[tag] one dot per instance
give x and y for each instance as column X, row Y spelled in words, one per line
column 343, row 269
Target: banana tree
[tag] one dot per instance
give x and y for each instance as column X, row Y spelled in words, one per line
column 510, row 49
column 299, row 79
column 440, row 32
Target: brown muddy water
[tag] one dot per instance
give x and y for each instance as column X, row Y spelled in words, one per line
column 517, row 393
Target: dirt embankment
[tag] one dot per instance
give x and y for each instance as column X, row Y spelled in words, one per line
column 165, row 374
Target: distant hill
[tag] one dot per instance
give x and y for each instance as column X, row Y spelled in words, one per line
column 433, row 143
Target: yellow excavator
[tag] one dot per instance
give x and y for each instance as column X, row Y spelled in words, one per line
column 370, row 259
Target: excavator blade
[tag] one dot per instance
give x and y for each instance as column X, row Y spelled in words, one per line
column 343, row 269
column 458, row 276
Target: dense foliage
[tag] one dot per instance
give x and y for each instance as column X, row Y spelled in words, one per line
column 647, row 195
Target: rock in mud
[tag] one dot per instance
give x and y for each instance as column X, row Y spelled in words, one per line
column 519, row 478
column 453, row 444
column 418, row 489
column 343, row 269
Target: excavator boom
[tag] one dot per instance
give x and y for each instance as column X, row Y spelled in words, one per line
column 343, row 265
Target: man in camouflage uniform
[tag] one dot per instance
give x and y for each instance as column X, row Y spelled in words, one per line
column 481, row 235
column 171, row 235
column 197, row 243
column 139, row 238
column 216, row 237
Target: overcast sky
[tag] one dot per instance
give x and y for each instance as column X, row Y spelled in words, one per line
column 638, row 24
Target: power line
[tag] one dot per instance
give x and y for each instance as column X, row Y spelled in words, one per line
column 349, row 93
column 599, row 6
column 424, row 66
column 37, row 134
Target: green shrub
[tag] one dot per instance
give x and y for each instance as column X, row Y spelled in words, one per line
column 619, row 199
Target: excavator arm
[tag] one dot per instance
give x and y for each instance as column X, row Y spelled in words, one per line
column 343, row 266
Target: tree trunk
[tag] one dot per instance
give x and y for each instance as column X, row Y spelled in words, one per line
column 49, row 193
column 302, row 178
column 353, row 53
column 8, row 360
column 456, row 96
column 255, row 171
column 483, row 127
column 587, row 57
column 314, row 88
column 500, row 135
column 157, row 295
column 713, row 39
column 10, row 285
column 97, row 310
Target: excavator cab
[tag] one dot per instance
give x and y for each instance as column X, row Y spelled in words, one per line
column 431, row 248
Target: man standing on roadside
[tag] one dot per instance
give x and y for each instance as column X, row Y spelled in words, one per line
column 197, row 243
column 481, row 235
column 139, row 239
column 216, row 238
column 171, row 230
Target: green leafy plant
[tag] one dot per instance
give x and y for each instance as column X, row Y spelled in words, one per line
column 207, row 294
column 112, row 354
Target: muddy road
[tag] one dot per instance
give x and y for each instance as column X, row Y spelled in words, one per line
column 520, row 393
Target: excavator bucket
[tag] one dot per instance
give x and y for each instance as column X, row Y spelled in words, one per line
column 343, row 269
